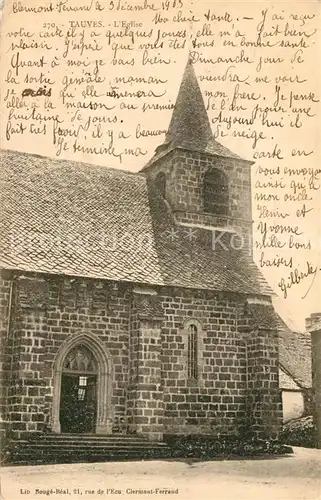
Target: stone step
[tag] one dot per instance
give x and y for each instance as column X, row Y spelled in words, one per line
column 37, row 456
column 74, row 448
column 94, row 442
column 80, row 458
column 88, row 439
column 88, row 446
column 73, row 435
column 92, row 439
column 78, row 452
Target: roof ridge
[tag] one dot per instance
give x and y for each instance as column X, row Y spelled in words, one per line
column 66, row 160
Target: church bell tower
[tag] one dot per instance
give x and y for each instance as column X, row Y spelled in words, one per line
column 206, row 185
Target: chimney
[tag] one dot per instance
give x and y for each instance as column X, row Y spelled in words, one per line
column 315, row 332
column 312, row 320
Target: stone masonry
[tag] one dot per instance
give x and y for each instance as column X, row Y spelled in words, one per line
column 145, row 334
column 184, row 172
column 181, row 335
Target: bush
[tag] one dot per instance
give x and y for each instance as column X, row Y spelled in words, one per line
column 209, row 447
column 299, row 432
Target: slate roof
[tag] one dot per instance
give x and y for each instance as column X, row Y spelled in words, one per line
column 65, row 217
column 294, row 355
column 185, row 261
column 316, row 326
column 71, row 218
column 189, row 127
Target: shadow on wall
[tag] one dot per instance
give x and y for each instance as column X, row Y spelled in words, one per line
column 293, row 405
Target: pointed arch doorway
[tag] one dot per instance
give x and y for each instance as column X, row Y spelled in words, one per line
column 82, row 387
column 78, row 393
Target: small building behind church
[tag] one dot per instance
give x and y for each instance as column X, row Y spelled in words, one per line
column 295, row 372
column 131, row 303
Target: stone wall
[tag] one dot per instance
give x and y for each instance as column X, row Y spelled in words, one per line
column 145, row 392
column 185, row 171
column 43, row 322
column 310, row 322
column 146, row 336
column 189, row 169
column 264, row 398
column 215, row 403
column 5, row 307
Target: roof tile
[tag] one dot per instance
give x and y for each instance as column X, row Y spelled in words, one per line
column 77, row 219
column 294, row 355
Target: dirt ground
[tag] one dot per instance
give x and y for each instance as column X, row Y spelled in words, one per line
column 296, row 477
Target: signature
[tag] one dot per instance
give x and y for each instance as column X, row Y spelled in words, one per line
column 295, row 277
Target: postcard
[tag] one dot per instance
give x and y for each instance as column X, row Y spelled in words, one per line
column 160, row 249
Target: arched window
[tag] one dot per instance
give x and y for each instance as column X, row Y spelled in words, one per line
column 215, row 192
column 80, row 360
column 160, row 182
column 192, row 351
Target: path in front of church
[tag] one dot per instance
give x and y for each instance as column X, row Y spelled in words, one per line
column 296, row 477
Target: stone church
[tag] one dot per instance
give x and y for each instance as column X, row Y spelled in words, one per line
column 130, row 302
